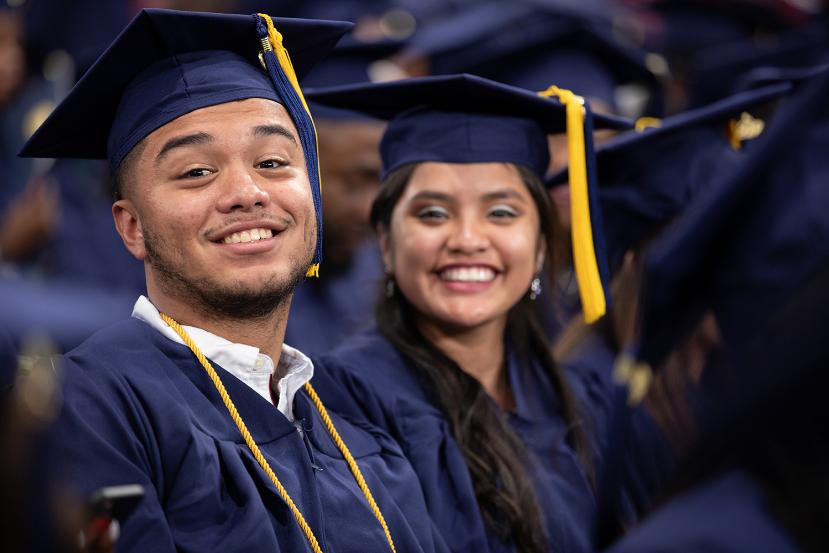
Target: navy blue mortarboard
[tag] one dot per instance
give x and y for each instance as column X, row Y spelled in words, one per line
column 717, row 71
column 55, row 25
column 458, row 119
column 468, row 119
column 352, row 61
column 533, row 45
column 648, row 176
column 681, row 26
column 168, row 63
column 750, row 240
column 764, row 76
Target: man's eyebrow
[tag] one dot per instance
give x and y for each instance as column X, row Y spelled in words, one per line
column 181, row 141
column 271, row 130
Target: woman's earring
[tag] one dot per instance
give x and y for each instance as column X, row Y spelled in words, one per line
column 535, row 288
column 389, row 286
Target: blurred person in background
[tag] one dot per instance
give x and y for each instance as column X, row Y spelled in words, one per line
column 63, row 271
column 647, row 179
column 350, row 167
column 753, row 251
column 694, row 41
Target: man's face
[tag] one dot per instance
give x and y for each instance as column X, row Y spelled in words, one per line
column 218, row 205
column 350, row 166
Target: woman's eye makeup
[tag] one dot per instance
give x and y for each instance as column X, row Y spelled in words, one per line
column 432, row 213
column 502, row 211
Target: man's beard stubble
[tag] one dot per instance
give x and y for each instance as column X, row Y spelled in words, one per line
column 218, row 301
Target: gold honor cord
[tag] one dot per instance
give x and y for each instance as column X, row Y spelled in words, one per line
column 257, row 454
column 589, row 280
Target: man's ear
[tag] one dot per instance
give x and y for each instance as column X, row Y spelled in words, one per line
column 384, row 240
column 128, row 225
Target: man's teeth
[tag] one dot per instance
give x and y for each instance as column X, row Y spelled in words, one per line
column 248, row 236
column 468, row 274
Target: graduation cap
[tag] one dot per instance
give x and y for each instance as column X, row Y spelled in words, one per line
column 719, row 70
column 648, row 176
column 765, row 76
column 352, row 61
column 750, row 240
column 167, row 63
column 683, row 26
column 468, row 119
column 535, row 44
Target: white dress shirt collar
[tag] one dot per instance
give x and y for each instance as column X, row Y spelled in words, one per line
column 242, row 361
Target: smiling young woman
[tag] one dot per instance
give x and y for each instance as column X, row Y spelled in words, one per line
column 458, row 368
column 462, row 244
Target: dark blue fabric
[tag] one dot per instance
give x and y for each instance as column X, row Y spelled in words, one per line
column 66, row 312
column 456, row 137
column 82, row 277
column 8, row 361
column 350, row 62
column 126, row 89
column 719, row 69
column 458, row 119
column 728, row 514
column 327, row 310
column 535, row 44
column 634, row 460
column 34, row 95
column 647, row 178
column 753, row 237
column 370, row 379
column 138, row 408
column 178, row 85
column 54, row 25
column 86, row 249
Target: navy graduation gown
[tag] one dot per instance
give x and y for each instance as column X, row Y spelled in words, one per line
column 633, row 460
column 368, row 378
column 8, row 361
column 728, row 514
column 139, row 408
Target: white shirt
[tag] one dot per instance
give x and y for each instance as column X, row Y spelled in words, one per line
column 242, row 361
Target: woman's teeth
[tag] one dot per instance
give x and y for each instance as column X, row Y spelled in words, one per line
column 468, row 274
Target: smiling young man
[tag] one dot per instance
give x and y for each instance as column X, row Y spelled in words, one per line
column 195, row 397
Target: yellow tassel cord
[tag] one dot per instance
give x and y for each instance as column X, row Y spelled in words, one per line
column 591, row 291
column 275, row 38
column 647, row 122
column 352, row 464
column 257, row 454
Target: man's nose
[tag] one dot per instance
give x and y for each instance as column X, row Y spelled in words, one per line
column 242, row 192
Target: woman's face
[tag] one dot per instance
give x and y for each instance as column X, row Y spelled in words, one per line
column 464, row 243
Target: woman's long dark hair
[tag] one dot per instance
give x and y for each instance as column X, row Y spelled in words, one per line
column 495, row 455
